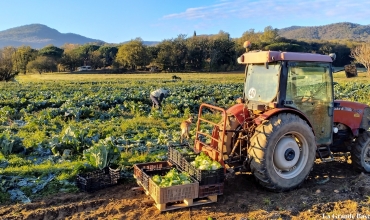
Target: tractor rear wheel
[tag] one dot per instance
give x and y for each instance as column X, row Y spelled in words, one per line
column 282, row 152
column 360, row 152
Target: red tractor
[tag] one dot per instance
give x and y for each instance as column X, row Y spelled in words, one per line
column 286, row 119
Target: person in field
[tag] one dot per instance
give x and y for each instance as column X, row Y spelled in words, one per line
column 158, row 95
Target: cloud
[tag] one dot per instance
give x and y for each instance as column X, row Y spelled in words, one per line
column 200, row 12
column 340, row 10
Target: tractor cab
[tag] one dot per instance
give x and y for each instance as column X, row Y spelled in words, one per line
column 291, row 82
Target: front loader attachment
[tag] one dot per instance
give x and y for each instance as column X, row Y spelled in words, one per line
column 211, row 142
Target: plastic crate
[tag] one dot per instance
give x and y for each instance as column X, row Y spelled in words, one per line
column 98, row 179
column 205, row 177
column 162, row 195
column 143, row 171
column 115, row 175
column 211, row 190
column 176, row 157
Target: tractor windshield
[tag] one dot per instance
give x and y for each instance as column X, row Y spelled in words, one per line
column 262, row 82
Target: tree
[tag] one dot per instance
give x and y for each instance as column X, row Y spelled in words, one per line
column 132, row 54
column 108, row 55
column 21, row 57
column 284, row 47
column 343, row 54
column 6, row 65
column 269, row 34
column 164, row 57
column 221, row 54
column 51, row 51
column 85, row 52
column 361, row 54
column 95, row 59
column 179, row 52
column 152, row 52
column 195, row 58
column 71, row 58
column 42, row 64
column 251, row 36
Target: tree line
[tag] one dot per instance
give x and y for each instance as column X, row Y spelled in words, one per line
column 216, row 52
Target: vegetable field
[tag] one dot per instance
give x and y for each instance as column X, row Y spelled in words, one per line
column 54, row 126
column 66, row 126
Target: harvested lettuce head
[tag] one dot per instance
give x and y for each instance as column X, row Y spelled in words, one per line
column 204, row 162
column 172, row 178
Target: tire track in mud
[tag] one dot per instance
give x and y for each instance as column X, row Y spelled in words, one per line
column 242, row 197
column 113, row 201
column 43, row 211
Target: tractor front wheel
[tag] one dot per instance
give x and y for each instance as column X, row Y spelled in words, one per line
column 360, row 152
column 282, row 152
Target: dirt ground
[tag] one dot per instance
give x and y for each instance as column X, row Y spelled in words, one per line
column 332, row 191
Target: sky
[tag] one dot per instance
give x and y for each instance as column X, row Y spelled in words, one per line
column 116, row 21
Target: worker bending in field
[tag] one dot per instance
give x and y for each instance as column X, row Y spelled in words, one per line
column 157, row 96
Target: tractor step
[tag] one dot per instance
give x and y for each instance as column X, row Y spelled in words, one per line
column 325, row 160
column 325, row 149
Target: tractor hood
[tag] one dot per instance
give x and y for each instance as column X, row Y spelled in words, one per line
column 352, row 114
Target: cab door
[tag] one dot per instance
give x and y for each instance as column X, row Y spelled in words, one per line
column 310, row 90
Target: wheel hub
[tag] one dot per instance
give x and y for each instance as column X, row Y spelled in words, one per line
column 286, row 154
column 289, row 154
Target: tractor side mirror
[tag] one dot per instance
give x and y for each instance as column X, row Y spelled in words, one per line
column 333, row 56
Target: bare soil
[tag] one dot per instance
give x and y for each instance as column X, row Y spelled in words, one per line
column 332, row 191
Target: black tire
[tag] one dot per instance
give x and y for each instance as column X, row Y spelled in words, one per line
column 360, row 152
column 283, row 170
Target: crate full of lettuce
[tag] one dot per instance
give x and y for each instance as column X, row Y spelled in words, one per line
column 174, row 186
column 205, row 170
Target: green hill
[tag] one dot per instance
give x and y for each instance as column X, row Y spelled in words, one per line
column 337, row 31
column 38, row 36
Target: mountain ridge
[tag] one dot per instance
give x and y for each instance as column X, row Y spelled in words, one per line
column 39, row 35
column 335, row 31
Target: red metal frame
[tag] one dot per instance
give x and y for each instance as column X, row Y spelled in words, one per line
column 211, row 149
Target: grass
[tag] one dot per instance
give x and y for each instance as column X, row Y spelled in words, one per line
column 223, row 77
column 362, row 77
column 210, row 77
column 26, row 168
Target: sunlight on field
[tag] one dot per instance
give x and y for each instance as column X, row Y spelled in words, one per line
column 214, row 77
column 236, row 77
column 361, row 78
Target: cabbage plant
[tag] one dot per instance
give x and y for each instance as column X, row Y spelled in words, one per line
column 102, row 154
